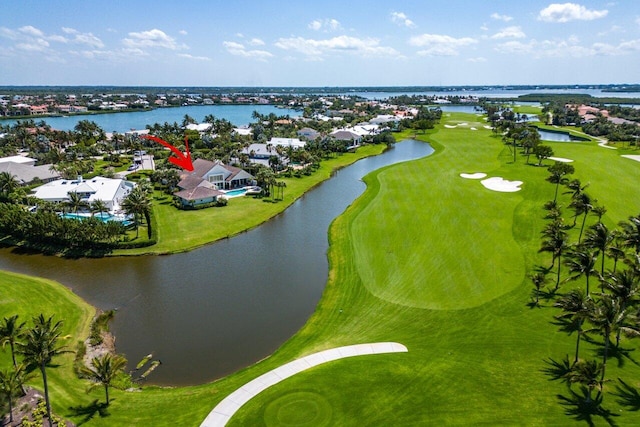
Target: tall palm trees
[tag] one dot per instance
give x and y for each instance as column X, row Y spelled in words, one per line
column 8, row 184
column 11, row 382
column 10, row 333
column 138, row 204
column 40, row 346
column 104, row 370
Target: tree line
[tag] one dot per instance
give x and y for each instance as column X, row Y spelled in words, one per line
column 605, row 309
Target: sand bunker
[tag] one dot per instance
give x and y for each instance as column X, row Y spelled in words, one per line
column 474, row 129
column 632, row 157
column 561, row 159
column 487, row 127
column 476, row 175
column 499, row 184
column 449, row 126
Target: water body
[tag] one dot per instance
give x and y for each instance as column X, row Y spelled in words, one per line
column 547, row 135
column 212, row 311
column 239, row 115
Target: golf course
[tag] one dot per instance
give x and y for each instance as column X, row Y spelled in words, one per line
column 424, row 258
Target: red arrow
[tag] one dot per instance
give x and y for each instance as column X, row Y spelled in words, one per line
column 181, row 160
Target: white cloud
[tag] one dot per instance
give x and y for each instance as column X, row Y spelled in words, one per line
column 440, row 45
column 566, row 12
column 478, row 59
column 195, row 58
column 499, row 17
column 330, row 24
column 401, row 19
column 151, row 38
column 36, row 45
column 239, row 49
column 315, row 49
column 183, row 32
column 569, row 48
column 31, row 31
column 509, row 33
column 256, row 42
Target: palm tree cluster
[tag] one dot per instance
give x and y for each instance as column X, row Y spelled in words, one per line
column 38, row 346
column 138, row 204
column 611, row 310
column 47, row 227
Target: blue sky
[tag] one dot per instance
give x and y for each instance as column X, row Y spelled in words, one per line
column 318, row 43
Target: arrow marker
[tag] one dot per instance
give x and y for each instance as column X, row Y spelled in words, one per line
column 182, row 161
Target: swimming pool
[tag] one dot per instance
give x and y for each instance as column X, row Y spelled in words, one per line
column 104, row 217
column 236, row 193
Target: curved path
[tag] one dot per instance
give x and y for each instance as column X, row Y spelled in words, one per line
column 223, row 412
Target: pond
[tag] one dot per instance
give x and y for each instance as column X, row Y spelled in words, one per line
column 212, row 311
column 558, row 136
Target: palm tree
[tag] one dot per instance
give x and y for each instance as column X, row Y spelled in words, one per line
column 555, row 241
column 138, row 203
column 581, row 261
column 10, row 332
column 39, row 349
column 616, row 249
column 539, row 279
column 76, row 202
column 574, row 305
column 598, row 237
column 8, row 184
column 104, row 370
column 631, row 233
column 582, row 205
column 98, row 207
column 625, row 286
column 558, row 172
column 11, row 382
column 586, row 372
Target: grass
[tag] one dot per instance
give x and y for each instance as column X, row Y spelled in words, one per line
column 442, row 270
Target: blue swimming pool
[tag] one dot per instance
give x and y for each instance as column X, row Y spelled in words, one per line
column 103, row 217
column 236, row 193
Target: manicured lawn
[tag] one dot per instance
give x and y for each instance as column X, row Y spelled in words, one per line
column 438, row 263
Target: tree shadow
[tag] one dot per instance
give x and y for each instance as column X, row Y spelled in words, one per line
column 88, row 412
column 568, row 325
column 619, row 354
column 577, row 407
column 628, row 396
column 558, row 369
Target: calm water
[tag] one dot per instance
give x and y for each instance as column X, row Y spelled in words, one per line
column 239, row 115
column 546, row 135
column 212, row 311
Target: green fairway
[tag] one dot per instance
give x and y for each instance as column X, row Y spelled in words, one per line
column 438, row 263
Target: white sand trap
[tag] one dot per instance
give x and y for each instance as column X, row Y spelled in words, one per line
column 464, row 124
column 487, row 127
column 449, row 126
column 497, row 183
column 632, row 157
column 474, row 129
column 561, row 159
column 476, row 175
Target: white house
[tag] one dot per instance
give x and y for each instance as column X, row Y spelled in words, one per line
column 111, row 191
column 287, row 142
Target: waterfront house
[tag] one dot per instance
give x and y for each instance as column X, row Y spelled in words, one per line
column 208, row 180
column 308, row 134
column 110, row 191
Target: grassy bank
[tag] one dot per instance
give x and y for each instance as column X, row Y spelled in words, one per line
column 180, row 231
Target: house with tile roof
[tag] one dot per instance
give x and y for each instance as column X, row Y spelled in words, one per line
column 208, row 181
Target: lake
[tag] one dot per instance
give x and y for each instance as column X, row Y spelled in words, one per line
column 207, row 313
column 239, row 115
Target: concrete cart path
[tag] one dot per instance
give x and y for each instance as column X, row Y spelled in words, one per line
column 223, row 412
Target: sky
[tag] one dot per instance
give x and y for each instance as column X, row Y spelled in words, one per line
column 318, row 43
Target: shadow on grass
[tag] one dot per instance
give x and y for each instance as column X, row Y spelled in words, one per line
column 628, row 396
column 577, row 407
column 620, row 354
column 88, row 412
column 558, row 369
